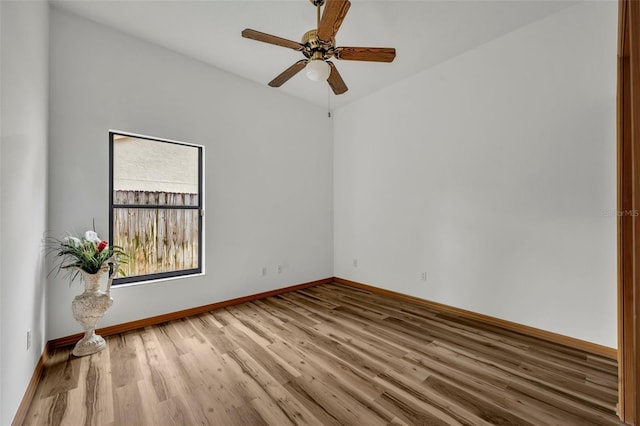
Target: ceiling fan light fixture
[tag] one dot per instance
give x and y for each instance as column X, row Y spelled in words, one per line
column 318, row 70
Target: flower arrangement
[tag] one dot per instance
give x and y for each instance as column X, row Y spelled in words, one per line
column 88, row 253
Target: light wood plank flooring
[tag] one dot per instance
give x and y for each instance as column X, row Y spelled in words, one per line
column 327, row 355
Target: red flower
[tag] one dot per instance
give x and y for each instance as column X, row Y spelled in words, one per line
column 102, row 245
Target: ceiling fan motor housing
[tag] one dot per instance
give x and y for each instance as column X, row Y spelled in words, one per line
column 314, row 48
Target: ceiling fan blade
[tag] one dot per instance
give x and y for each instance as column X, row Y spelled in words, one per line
column 372, row 54
column 335, row 80
column 288, row 73
column 271, row 39
column 332, row 16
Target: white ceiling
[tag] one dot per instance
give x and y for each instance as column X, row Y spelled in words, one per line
column 424, row 33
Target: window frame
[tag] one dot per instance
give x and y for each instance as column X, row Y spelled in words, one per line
column 200, row 207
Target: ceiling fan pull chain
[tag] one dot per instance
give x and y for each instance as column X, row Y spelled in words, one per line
column 328, row 102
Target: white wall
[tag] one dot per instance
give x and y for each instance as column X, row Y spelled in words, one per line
column 268, row 178
column 23, row 163
column 492, row 172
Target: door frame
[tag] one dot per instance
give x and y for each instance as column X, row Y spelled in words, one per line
column 628, row 209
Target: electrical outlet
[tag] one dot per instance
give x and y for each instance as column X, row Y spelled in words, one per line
column 423, row 276
column 264, row 271
column 28, row 339
column 355, row 263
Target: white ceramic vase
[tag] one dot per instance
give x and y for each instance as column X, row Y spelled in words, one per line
column 89, row 307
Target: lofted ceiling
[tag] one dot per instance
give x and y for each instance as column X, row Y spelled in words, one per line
column 424, row 33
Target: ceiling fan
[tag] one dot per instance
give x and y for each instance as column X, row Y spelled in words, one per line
column 318, row 46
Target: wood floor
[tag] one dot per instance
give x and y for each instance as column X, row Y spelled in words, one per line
column 327, row 355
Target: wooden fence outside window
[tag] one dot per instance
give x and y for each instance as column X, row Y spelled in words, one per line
column 156, row 239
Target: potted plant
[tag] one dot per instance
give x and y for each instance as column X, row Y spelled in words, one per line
column 89, row 257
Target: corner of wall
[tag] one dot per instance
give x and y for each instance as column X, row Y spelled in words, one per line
column 23, row 185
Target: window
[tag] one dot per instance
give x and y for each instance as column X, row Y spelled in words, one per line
column 155, row 206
